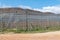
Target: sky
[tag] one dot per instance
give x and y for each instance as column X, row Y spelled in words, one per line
column 39, row 5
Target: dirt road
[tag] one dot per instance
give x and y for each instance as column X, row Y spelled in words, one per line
column 34, row 36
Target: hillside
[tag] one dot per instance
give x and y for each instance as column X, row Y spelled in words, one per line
column 19, row 10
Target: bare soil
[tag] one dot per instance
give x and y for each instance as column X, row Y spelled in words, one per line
column 32, row 36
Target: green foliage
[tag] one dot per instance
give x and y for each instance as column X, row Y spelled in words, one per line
column 34, row 29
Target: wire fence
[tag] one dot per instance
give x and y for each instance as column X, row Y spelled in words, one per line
column 28, row 21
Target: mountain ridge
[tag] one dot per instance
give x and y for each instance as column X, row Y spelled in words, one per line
column 18, row 10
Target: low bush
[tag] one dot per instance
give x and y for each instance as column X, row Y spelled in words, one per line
column 33, row 30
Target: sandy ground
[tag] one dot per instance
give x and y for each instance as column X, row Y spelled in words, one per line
column 32, row 36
